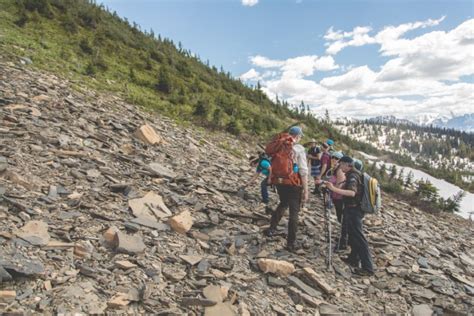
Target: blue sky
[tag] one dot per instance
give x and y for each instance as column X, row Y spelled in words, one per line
column 231, row 34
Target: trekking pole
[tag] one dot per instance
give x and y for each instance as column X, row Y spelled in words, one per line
column 340, row 233
column 327, row 220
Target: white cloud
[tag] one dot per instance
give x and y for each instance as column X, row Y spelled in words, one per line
column 298, row 67
column 436, row 55
column 356, row 80
column 358, row 37
column 265, row 62
column 249, row 3
column 338, row 40
column 252, row 74
column 423, row 75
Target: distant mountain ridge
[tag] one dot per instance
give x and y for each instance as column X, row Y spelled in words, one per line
column 463, row 123
column 384, row 119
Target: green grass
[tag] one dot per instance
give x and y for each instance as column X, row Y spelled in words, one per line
column 104, row 51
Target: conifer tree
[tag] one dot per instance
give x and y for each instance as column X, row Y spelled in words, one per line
column 409, row 180
column 393, row 172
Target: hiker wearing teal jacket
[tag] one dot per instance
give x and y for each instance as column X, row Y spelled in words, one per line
column 263, row 166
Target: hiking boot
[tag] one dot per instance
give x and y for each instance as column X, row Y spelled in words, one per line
column 269, row 232
column 339, row 249
column 350, row 262
column 363, row 272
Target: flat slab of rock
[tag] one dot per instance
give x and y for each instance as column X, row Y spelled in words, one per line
column 182, row 222
column 4, row 275
column 318, row 280
column 220, row 309
column 147, row 134
column 160, row 171
column 3, row 163
column 278, row 267
column 196, row 301
column 151, row 207
column 131, row 244
column 328, row 309
column 19, row 264
column 150, row 224
column 7, row 296
column 191, row 259
column 303, row 286
column 422, row 310
column 174, row 273
column 35, row 232
column 119, row 300
column 125, row 264
column 218, row 294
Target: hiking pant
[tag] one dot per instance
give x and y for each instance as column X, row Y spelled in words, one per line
column 290, row 197
column 264, row 190
column 342, row 241
column 359, row 245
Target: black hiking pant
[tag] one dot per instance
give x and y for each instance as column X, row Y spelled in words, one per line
column 359, row 245
column 339, row 205
column 290, row 197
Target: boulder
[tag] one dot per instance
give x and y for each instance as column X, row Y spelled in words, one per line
column 147, row 134
column 278, row 267
column 182, row 222
column 35, row 232
column 131, row 244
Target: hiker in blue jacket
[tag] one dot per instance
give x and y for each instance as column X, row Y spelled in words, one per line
column 263, row 165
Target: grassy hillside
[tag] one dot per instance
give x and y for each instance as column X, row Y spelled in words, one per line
column 83, row 41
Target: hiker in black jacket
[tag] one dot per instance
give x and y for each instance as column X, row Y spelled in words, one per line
column 352, row 192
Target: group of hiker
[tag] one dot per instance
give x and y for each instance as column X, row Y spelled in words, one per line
column 287, row 166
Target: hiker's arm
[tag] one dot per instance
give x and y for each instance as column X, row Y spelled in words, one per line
column 343, row 192
column 340, row 179
column 303, row 171
column 323, row 169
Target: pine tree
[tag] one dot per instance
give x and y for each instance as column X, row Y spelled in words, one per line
column 393, row 172
column 382, row 171
column 164, row 81
column 409, row 180
column 401, row 174
column 426, row 191
column 452, row 204
column 302, row 107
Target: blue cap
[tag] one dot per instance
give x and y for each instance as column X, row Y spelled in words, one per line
column 358, row 164
column 337, row 154
column 330, row 142
column 295, row 131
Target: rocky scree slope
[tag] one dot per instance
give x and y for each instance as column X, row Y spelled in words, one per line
column 105, row 208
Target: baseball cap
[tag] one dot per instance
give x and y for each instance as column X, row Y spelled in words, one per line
column 295, row 131
column 337, row 154
column 359, row 165
column 347, row 159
